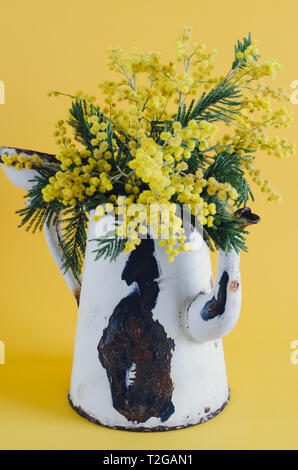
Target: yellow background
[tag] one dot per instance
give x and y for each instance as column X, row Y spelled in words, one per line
column 61, row 44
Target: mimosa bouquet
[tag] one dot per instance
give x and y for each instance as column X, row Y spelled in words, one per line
column 166, row 134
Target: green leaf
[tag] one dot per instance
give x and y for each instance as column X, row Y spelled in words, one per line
column 73, row 241
column 109, row 247
column 241, row 47
column 222, row 103
column 225, row 169
column 38, row 212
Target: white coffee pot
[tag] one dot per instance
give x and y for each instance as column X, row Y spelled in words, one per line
column 148, row 352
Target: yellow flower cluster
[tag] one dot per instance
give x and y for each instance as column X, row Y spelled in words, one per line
column 138, row 220
column 82, row 173
column 21, row 162
column 166, row 84
column 83, row 180
column 163, row 167
column 139, row 153
column 152, row 102
column 223, row 190
column 264, row 184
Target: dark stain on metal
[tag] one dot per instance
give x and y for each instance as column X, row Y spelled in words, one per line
column 85, row 415
column 134, row 349
column 216, row 306
column 247, row 216
column 207, row 409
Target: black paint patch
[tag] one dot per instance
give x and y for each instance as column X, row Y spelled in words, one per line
column 134, row 349
column 215, row 307
column 245, row 214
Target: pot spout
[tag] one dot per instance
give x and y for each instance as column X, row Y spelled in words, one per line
column 210, row 316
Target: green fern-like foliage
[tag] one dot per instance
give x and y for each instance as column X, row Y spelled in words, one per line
column 226, row 169
column 109, row 247
column 220, row 104
column 70, row 223
column 73, row 241
column 226, row 232
column 241, row 47
column 38, row 212
column 80, row 124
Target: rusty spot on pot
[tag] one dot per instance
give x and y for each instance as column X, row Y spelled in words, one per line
column 210, row 415
column 207, row 409
column 234, row 286
column 134, row 349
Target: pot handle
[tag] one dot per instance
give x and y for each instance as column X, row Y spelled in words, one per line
column 53, row 235
column 24, row 179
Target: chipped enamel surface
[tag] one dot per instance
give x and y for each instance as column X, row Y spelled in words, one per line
column 209, row 316
column 197, row 369
column 188, row 316
column 20, row 178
